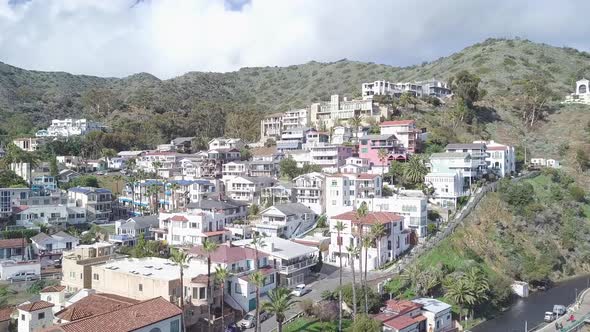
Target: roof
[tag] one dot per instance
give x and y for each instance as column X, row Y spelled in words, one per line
column 367, row 176
column 401, row 306
column 181, row 140
column 228, row 254
column 370, row 218
column 497, row 148
column 468, row 146
column 40, row 237
column 150, row 268
column 265, row 271
column 94, row 304
column 291, row 208
column 397, row 123
column 130, row 318
column 5, row 313
column 377, row 137
column 53, row 289
column 264, row 151
column 87, row 190
column 432, row 305
column 143, row 221
column 178, row 218
column 13, row 243
column 281, row 248
column 34, row 306
column 63, row 234
column 258, row 179
column 214, row 204
column 449, row 155
column 399, row 322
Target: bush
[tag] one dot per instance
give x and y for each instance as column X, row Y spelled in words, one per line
column 374, row 298
column 516, row 194
column 326, row 311
column 578, row 194
column 307, row 307
column 364, row 323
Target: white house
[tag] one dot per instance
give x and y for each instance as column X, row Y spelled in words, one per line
column 581, row 94
column 54, row 243
column 438, row 314
column 248, row 188
column 33, row 316
column 341, row 135
column 405, row 132
column 96, row 201
column 542, row 162
column 225, row 143
column 343, row 190
column 477, row 155
column 69, row 127
column 54, row 294
column 309, row 191
column 394, row 242
column 447, row 186
column 127, row 232
column 190, row 227
column 286, row 220
column 29, row 144
column 501, row 158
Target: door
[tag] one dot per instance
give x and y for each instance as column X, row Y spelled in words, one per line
column 229, row 287
column 252, row 304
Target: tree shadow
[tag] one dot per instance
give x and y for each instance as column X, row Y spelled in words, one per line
column 486, row 114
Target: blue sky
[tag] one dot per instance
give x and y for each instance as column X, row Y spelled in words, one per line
column 171, row 37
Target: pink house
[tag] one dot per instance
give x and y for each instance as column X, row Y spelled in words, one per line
column 370, row 145
column 406, row 132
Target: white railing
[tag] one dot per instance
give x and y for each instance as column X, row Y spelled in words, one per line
column 297, row 266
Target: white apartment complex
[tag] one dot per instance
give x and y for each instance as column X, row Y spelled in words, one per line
column 286, row 220
column 191, row 227
column 309, row 191
column 421, row 88
column 343, row 191
column 69, row 127
column 330, row 114
column 248, row 189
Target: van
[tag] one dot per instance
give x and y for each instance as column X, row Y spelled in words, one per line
column 559, row 309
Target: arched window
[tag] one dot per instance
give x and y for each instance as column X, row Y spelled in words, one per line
column 582, row 89
column 49, row 298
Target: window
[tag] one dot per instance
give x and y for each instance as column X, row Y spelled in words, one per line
column 155, row 329
column 22, row 317
column 95, row 276
column 41, row 315
column 238, row 289
column 175, row 326
column 364, row 150
column 48, row 299
column 202, row 294
column 140, row 287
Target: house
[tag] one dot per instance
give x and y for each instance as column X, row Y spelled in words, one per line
column 55, row 243
column 457, row 162
column 48, row 214
column 341, row 135
column 92, row 305
column 127, row 155
column 127, row 232
column 229, row 209
column 330, row 113
column 402, row 316
column 282, row 192
column 501, row 158
column 77, row 264
column 405, row 131
column 12, row 248
column 153, row 315
column 309, row 191
column 285, row 220
column 33, row 316
column 69, row 127
column 343, row 190
column 328, row 156
column 295, row 118
column 96, row 201
column 116, row 163
column 29, row 144
column 182, row 144
column 10, row 198
column 191, row 227
column 6, row 318
column 225, row 143
column 581, row 95
column 67, row 175
column 43, row 184
column 430, row 87
column 267, row 154
column 438, row 315
column 542, row 162
column 9, row 268
column 263, row 168
column 54, row 294
column 477, row 155
column 447, row 187
column 394, row 242
column 271, row 127
column 164, row 163
column 355, row 165
column 240, row 292
column 370, row 145
column 292, row 139
column 247, row 188
column 233, row 169
column 413, row 206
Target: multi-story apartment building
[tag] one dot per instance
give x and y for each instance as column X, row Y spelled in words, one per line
column 291, row 260
column 240, row 292
column 405, row 131
column 69, row 127
column 295, row 118
column 477, row 155
column 233, row 169
column 412, row 205
column 292, row 139
column 230, row 210
column 271, row 127
column 448, row 187
column 29, row 144
column 278, row 194
column 162, row 163
column 421, row 88
column 309, row 191
column 394, row 242
column 12, row 197
column 191, row 227
column 329, row 157
column 329, row 114
column 355, row 165
column 77, row 264
column 285, row 220
column 150, row 277
column 97, row 202
column 370, row 145
column 222, row 143
column 263, row 168
column 248, row 189
column 501, row 158
column 343, row 191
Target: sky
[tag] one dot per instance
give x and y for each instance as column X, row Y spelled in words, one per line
column 170, row 37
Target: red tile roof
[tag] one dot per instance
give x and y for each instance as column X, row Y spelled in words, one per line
column 370, row 218
column 401, row 306
column 202, row 278
column 13, row 243
column 265, row 271
column 5, row 313
column 53, row 289
column 127, row 319
column 19, row 209
column 399, row 322
column 227, row 254
column 34, row 306
column 178, row 218
column 397, row 123
column 94, row 304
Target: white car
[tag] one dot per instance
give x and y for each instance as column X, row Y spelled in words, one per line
column 24, row 276
column 300, row 290
column 249, row 321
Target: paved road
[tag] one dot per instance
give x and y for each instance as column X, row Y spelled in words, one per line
column 579, row 310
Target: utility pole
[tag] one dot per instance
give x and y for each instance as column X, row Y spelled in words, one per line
column 526, row 326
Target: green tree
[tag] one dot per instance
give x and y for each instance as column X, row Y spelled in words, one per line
column 382, row 154
column 353, row 253
column 534, row 95
column 378, row 231
column 180, row 257
column 360, row 215
column 415, row 170
column 582, row 160
column 174, row 187
column 53, row 170
column 209, row 247
column 281, row 300
column 364, row 323
column 257, row 279
column 340, row 227
column 356, row 122
column 221, row 276
column 288, row 167
column 465, row 86
column 479, row 286
column 408, row 98
column 460, row 293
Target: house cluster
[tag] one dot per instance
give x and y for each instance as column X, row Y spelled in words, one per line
column 69, row 127
column 581, row 94
column 421, row 314
column 431, row 87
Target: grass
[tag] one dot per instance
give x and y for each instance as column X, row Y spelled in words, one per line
column 109, row 182
column 110, row 229
column 306, row 324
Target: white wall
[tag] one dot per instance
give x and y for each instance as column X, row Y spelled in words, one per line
column 31, row 321
column 8, row 269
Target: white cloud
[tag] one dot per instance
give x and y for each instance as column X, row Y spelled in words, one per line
column 168, row 38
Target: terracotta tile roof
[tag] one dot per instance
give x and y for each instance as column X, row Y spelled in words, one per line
column 202, row 278
column 5, row 313
column 401, row 307
column 265, row 271
column 215, row 233
column 227, row 254
column 178, row 218
column 264, row 151
column 399, row 322
column 13, row 243
column 19, row 209
column 370, row 218
column 34, row 306
column 94, row 304
column 127, row 319
column 397, row 123
column 53, row 289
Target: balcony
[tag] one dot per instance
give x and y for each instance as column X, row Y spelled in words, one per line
column 288, row 269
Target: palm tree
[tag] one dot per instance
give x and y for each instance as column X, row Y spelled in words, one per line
column 118, row 178
column 209, row 247
column 152, row 192
column 460, row 293
column 377, row 233
column 367, row 240
column 353, row 252
column 356, row 122
column 281, row 300
column 180, row 257
column 257, row 242
column 173, row 188
column 257, row 279
column 221, row 276
column 478, row 284
column 361, row 212
column 340, row 226
column 382, row 155
column 415, row 170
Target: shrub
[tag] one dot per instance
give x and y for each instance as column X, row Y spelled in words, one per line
column 307, row 307
column 516, row 194
column 578, row 194
column 326, row 311
column 364, row 323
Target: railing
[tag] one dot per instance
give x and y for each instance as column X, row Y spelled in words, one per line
column 297, row 266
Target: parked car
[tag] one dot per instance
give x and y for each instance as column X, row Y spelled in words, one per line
column 24, row 276
column 559, row 309
column 57, row 263
column 300, row 290
column 249, row 320
column 100, row 173
column 550, row 316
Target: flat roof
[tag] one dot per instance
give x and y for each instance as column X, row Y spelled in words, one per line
column 153, row 267
column 281, row 248
column 432, row 305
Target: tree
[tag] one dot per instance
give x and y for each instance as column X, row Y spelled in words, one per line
column 353, row 253
column 340, row 227
column 478, row 284
column 221, row 276
column 173, row 187
column 209, row 247
column 281, row 300
column 534, row 93
column 253, row 210
column 288, row 167
column 408, row 98
column 257, row 279
column 356, row 122
column 366, row 243
column 377, row 233
column 180, row 257
column 53, row 169
column 257, row 243
column 465, row 86
column 360, row 214
column 382, row 154
column 364, row 323
column 582, row 160
column 245, row 154
column 459, row 292
column 117, row 178
column 415, row 170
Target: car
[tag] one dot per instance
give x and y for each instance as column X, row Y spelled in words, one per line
column 549, row 316
column 100, row 173
column 23, row 276
column 559, row 309
column 249, row 320
column 300, row 290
